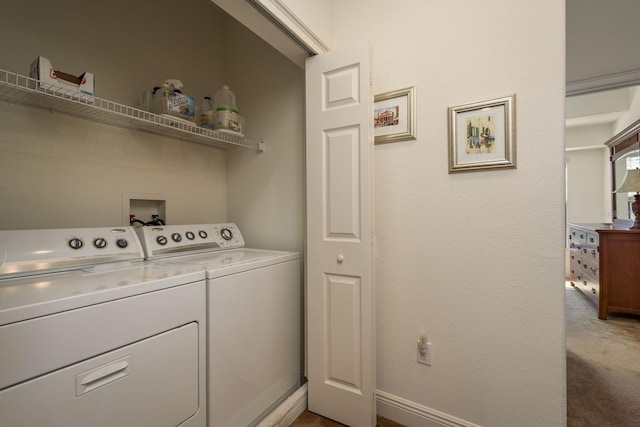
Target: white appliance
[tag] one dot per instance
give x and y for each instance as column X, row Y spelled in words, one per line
column 253, row 316
column 93, row 335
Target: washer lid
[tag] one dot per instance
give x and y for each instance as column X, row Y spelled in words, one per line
column 232, row 261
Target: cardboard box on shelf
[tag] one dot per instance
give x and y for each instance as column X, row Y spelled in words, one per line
column 78, row 87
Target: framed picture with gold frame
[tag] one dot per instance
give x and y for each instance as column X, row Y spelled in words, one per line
column 482, row 135
column 394, row 116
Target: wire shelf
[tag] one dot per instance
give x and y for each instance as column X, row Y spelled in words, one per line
column 19, row 89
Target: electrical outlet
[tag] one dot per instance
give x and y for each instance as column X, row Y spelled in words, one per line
column 424, row 353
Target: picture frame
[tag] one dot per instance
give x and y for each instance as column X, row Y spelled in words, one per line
column 482, row 135
column 394, row 116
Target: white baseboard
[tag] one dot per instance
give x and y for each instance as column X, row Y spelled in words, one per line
column 413, row 414
column 285, row 414
column 392, row 407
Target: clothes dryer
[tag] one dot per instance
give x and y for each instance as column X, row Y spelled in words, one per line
column 254, row 306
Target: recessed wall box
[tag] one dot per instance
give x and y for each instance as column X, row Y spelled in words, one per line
column 143, row 206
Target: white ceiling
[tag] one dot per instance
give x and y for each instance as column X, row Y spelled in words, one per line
column 603, row 53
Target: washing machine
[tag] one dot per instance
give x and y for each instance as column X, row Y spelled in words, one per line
column 93, row 335
column 254, row 306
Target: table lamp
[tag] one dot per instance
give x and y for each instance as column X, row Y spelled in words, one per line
column 631, row 184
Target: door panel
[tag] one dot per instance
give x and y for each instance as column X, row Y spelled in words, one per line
column 342, row 178
column 340, row 298
column 341, row 87
column 343, row 368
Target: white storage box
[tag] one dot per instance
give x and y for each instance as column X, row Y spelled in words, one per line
column 174, row 104
column 230, row 122
column 77, row 87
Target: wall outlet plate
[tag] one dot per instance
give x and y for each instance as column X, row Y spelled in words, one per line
column 424, row 354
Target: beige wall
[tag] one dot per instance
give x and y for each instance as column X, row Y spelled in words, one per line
column 588, row 170
column 475, row 260
column 632, row 114
column 588, row 174
column 266, row 190
column 593, row 136
column 59, row 171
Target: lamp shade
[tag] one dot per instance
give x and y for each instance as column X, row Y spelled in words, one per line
column 630, row 183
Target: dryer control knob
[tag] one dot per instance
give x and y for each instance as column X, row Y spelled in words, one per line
column 226, row 234
column 76, row 243
column 161, row 240
column 122, row 243
column 100, row 242
column 176, row 237
column 189, row 235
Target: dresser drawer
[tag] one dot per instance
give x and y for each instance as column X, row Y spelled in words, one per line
column 592, row 239
column 577, row 237
column 575, row 267
column 589, row 252
column 590, row 287
column 590, row 267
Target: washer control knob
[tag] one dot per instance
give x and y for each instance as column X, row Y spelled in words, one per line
column 122, row 243
column 100, row 242
column 202, row 234
column 340, row 259
column 161, row 240
column 176, row 237
column 226, row 234
column 189, row 235
column 76, row 243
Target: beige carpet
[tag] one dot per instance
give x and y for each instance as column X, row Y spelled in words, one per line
column 603, row 366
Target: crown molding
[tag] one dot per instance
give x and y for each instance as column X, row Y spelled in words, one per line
column 285, row 19
column 603, row 82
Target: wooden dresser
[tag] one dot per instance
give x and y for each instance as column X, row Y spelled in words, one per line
column 605, row 266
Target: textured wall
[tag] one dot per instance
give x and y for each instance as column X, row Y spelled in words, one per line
column 58, row 171
column 266, row 190
column 475, row 260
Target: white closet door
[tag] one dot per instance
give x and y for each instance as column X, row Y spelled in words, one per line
column 340, row 294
